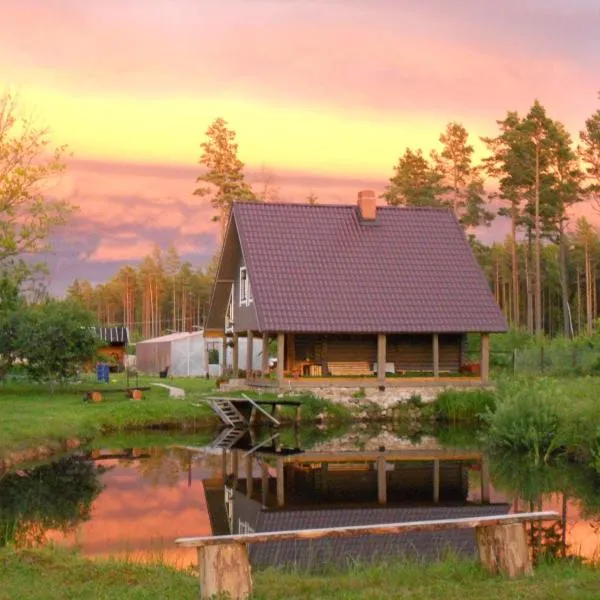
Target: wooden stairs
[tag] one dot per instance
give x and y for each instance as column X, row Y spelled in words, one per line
column 228, row 413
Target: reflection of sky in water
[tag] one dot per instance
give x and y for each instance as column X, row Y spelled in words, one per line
column 144, row 506
column 148, row 502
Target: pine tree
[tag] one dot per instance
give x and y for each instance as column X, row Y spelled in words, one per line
column 224, row 174
column 416, row 182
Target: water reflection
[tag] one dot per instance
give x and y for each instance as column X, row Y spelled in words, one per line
column 135, row 502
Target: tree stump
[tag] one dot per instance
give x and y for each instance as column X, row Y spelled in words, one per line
column 96, row 397
column 224, row 572
column 503, row 549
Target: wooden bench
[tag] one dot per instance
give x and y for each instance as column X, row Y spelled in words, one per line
column 349, row 368
column 224, row 565
column 135, row 393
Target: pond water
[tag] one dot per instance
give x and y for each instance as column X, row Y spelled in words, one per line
column 133, row 496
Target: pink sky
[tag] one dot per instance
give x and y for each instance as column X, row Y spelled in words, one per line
column 326, row 94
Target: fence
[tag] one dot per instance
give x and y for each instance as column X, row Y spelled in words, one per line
column 545, row 360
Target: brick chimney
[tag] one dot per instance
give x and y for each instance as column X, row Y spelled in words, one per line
column 367, row 205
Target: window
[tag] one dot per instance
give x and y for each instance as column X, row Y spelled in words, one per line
column 245, row 289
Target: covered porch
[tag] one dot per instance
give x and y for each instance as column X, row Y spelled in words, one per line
column 366, row 360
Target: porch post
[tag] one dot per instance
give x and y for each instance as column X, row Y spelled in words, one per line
column 436, row 355
column 265, row 354
column 236, row 351
column 249, row 353
column 381, row 357
column 249, row 476
column 485, row 358
column 224, row 355
column 280, row 357
column 280, row 483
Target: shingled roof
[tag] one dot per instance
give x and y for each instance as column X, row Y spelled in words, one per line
column 321, row 268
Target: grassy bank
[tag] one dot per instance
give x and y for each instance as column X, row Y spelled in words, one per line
column 33, row 418
column 62, row 575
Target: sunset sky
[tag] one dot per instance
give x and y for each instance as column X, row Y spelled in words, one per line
column 326, row 93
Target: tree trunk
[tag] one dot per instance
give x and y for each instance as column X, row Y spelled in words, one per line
column 515, row 264
column 588, row 288
column 538, row 261
column 564, row 285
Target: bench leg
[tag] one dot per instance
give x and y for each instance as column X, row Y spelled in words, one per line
column 224, row 572
column 503, row 549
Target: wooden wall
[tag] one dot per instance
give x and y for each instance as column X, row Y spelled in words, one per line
column 355, row 354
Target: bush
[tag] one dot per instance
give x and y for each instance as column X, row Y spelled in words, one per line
column 464, row 405
column 529, row 419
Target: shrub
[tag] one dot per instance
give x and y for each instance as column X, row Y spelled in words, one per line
column 528, row 419
column 464, row 405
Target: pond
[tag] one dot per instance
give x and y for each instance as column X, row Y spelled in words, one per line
column 132, row 496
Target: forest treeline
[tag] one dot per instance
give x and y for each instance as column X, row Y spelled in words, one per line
column 544, row 275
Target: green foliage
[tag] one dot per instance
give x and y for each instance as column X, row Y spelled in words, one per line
column 27, row 163
column 11, row 309
column 359, row 393
column 415, row 182
column 55, row 339
column 464, row 405
column 529, row 419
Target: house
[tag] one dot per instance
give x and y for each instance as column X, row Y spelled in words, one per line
column 113, row 344
column 353, row 290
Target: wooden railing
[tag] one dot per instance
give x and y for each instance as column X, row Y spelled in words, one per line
column 224, row 565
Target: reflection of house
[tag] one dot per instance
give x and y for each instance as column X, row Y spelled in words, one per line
column 114, row 344
column 353, row 290
column 312, row 490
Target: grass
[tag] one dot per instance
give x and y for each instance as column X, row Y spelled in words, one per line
column 32, row 417
column 62, row 575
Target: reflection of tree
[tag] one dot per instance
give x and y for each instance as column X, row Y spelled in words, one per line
column 516, row 476
column 164, row 465
column 54, row 496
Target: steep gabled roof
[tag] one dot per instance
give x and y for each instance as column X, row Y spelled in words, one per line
column 321, row 268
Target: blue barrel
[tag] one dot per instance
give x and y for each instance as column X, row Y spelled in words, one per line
column 102, row 372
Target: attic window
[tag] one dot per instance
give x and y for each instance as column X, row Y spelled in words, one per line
column 245, row 289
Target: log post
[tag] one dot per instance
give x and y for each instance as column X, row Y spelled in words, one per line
column 280, row 357
column 381, row 481
column 436, row 355
column 224, row 356
column 264, row 484
column 265, row 355
column 224, row 572
column 236, row 356
column 249, row 476
column 280, row 483
column 381, row 357
column 485, row 358
column 249, row 354
column 436, row 481
column 503, row 549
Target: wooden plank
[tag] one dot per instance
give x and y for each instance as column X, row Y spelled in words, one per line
column 436, row 481
column 224, row 571
column 381, row 357
column 384, row 529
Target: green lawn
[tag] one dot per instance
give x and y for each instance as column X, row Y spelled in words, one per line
column 63, row 575
column 31, row 416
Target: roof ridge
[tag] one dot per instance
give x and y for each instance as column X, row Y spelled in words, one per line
column 334, row 205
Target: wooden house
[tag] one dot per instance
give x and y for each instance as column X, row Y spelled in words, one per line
column 353, row 290
column 113, row 344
